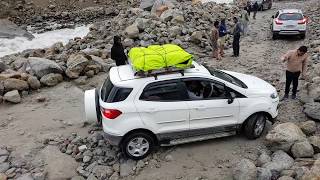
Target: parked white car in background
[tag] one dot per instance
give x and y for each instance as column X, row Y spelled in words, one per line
column 139, row 113
column 289, row 22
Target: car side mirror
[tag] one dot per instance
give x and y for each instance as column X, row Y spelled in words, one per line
column 272, row 17
column 231, row 98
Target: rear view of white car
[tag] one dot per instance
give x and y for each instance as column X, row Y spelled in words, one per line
column 139, row 113
column 289, row 22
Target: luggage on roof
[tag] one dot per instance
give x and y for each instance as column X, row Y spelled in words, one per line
column 157, row 57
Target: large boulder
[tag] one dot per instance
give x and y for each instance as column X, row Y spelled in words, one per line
column 146, row 4
column 263, row 159
column 51, row 79
column 308, row 127
column 132, row 31
column 280, row 161
column 302, row 149
column 40, row 67
column 15, row 84
column 196, row 37
column 12, row 96
column 312, row 110
column 283, row 136
column 75, row 65
column 33, row 82
column 245, row 170
column 102, row 63
column 315, row 142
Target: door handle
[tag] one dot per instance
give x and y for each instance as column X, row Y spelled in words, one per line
column 201, row 107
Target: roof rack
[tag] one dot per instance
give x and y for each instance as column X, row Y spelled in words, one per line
column 162, row 71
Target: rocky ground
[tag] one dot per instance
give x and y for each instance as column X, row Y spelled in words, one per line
column 44, row 136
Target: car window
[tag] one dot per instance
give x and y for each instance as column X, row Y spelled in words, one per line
column 111, row 93
column 163, row 91
column 290, row 16
column 201, row 89
column 227, row 77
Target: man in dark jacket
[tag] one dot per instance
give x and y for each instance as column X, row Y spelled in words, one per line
column 117, row 52
column 222, row 36
column 255, row 9
column 236, row 37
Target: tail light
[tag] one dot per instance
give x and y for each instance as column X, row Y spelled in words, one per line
column 278, row 22
column 303, row 21
column 110, row 113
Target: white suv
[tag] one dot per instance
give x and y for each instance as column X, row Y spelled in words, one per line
column 289, row 22
column 139, row 113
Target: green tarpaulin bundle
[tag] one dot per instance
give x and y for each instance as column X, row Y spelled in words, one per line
column 156, row 57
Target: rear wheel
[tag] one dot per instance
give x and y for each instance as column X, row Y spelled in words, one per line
column 99, row 116
column 255, row 125
column 138, row 145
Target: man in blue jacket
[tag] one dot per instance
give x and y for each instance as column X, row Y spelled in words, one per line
column 222, row 36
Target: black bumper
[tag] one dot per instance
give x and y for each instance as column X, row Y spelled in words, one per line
column 113, row 140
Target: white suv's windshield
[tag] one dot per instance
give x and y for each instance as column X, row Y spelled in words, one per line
column 227, row 77
column 290, row 16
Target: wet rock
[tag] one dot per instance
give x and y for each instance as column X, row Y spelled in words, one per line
column 285, row 178
column 15, row 84
column 315, row 142
column 312, row 110
column 51, row 79
column 308, row 127
column 126, row 168
column 280, row 161
column 283, row 136
column 12, row 96
column 33, row 82
column 263, row 159
column 196, row 37
column 245, row 170
column 263, row 174
column 41, row 66
column 302, row 149
column 75, row 65
column 132, row 31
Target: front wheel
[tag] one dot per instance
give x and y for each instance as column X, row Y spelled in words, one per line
column 274, row 36
column 303, row 36
column 138, row 145
column 255, row 125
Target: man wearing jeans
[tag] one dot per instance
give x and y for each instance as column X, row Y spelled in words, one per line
column 296, row 64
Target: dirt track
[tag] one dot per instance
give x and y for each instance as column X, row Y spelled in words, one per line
column 25, row 126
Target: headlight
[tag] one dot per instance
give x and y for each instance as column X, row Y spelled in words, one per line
column 274, row 95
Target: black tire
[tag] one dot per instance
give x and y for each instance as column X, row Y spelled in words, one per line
column 99, row 116
column 274, row 36
column 254, row 126
column 303, row 36
column 131, row 138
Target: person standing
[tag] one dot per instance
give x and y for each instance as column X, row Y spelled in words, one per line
column 222, row 36
column 117, row 52
column 296, row 64
column 244, row 21
column 236, row 37
column 255, row 9
column 214, row 40
column 248, row 7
